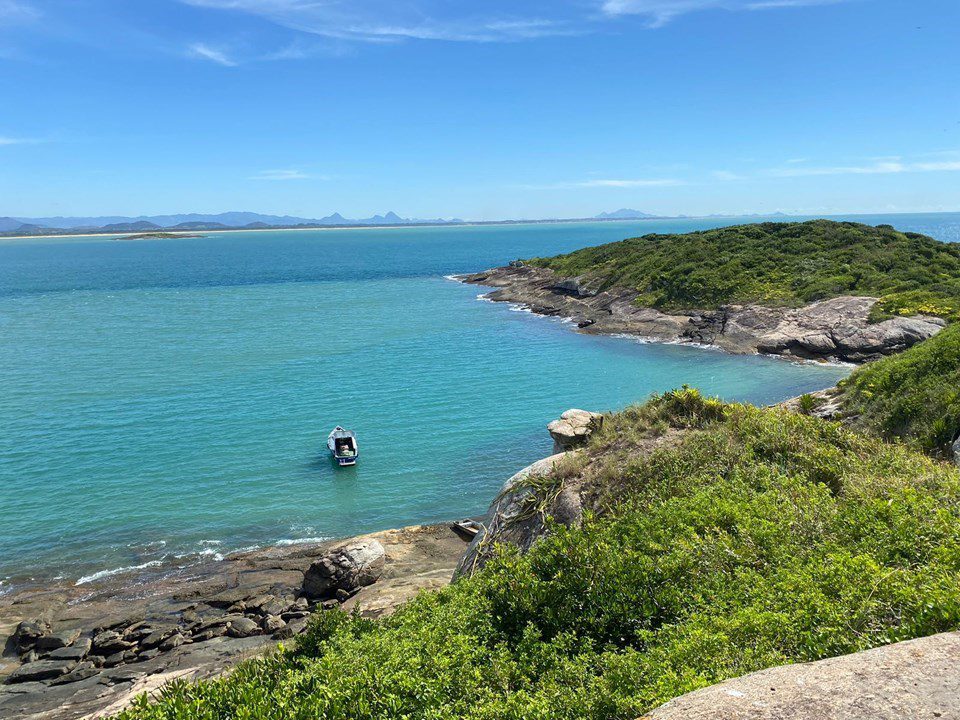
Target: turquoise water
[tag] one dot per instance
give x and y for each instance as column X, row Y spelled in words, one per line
column 171, row 398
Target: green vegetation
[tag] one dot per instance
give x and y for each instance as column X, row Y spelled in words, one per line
column 914, row 396
column 752, row 537
column 778, row 264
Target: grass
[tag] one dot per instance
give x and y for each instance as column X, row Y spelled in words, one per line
column 778, row 264
column 913, row 396
column 757, row 537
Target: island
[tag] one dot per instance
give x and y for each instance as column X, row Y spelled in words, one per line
column 815, row 290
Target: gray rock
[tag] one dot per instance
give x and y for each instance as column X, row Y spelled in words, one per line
column 573, row 429
column 82, row 671
column 148, row 655
column 69, row 653
column 348, row 567
column 295, row 615
column 29, row 656
column 113, row 660
column 956, row 450
column 155, row 638
column 110, row 642
column 28, row 632
column 284, row 633
column 174, row 641
column 242, row 627
column 210, row 633
column 509, row 520
column 912, row 679
column 272, row 623
column 41, row 670
column 60, row 639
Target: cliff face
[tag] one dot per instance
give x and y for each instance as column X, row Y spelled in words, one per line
column 837, row 329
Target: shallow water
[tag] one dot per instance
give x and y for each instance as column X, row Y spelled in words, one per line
column 166, row 398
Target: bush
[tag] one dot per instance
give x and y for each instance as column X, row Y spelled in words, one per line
column 778, row 264
column 758, row 538
column 913, row 396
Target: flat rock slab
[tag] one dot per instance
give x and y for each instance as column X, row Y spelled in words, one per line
column 912, row 679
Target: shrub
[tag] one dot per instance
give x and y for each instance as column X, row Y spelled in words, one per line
column 778, row 264
column 760, row 537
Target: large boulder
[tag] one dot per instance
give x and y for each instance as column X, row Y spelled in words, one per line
column 510, row 519
column 346, row 568
column 912, row 679
column 956, row 450
column 573, row 429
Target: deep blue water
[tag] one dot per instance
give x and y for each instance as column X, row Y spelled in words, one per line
column 166, row 398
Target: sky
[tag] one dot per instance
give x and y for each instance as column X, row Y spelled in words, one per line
column 479, row 110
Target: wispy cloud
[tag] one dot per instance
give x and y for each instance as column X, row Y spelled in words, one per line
column 16, row 11
column 203, row 51
column 383, row 21
column 5, row 140
column 282, row 175
column 726, row 175
column 661, row 12
column 608, row 183
column 887, row 167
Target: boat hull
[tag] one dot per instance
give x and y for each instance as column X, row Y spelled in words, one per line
column 345, row 462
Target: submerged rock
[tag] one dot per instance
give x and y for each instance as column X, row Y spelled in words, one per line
column 573, row 429
column 346, row 568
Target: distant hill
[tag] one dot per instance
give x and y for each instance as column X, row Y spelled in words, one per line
column 198, row 221
column 623, row 214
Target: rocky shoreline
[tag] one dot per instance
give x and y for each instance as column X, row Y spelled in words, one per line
column 835, row 330
column 83, row 652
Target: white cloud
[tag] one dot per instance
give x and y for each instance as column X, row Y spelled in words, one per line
column 726, row 175
column 661, row 12
column 4, row 141
column 613, row 183
column 205, row 52
column 281, row 175
column 889, row 167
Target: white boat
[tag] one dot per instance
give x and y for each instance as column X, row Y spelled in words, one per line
column 343, row 446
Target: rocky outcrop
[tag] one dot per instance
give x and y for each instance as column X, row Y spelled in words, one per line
column 120, row 638
column 912, row 679
column 835, row 329
column 956, row 450
column 518, row 515
column 572, row 429
column 345, row 570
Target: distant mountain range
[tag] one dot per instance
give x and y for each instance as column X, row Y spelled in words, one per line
column 108, row 224
column 624, row 214
column 195, row 221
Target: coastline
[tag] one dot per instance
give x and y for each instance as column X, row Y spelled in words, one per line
column 835, row 330
column 417, row 557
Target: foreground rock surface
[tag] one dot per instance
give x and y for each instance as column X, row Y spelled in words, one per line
column 835, row 329
column 912, row 679
column 191, row 624
column 345, row 569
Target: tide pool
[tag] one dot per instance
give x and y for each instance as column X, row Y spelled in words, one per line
column 169, row 398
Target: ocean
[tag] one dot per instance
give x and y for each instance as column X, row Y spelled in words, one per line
column 165, row 400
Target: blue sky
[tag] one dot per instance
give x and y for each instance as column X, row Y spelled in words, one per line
column 480, row 110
